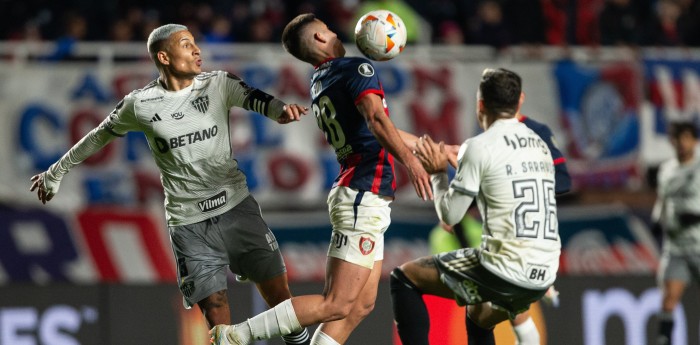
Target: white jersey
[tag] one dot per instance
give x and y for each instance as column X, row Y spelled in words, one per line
column 678, row 193
column 510, row 171
column 188, row 134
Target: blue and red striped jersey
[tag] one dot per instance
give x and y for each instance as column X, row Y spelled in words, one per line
column 336, row 87
column 562, row 178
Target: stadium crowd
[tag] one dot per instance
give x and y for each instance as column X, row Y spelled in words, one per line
column 497, row 23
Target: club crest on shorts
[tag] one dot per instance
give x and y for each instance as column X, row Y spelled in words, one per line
column 366, row 245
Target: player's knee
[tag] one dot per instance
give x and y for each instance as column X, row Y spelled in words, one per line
column 363, row 310
column 399, row 279
column 337, row 309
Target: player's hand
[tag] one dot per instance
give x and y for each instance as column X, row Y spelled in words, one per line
column 291, row 113
column 432, row 155
column 45, row 188
column 420, row 178
column 452, row 152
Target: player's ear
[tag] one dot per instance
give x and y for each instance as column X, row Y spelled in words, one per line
column 319, row 37
column 163, row 57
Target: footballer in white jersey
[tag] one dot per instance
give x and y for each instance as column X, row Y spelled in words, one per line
column 510, row 172
column 188, row 134
column 214, row 224
column 677, row 214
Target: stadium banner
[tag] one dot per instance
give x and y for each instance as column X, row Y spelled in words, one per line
column 130, row 245
column 50, row 106
column 107, row 222
column 593, row 310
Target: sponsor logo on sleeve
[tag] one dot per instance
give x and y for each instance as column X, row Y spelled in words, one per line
column 366, row 69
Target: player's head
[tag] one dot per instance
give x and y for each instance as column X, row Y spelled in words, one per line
column 499, row 94
column 172, row 47
column 684, row 137
column 310, row 40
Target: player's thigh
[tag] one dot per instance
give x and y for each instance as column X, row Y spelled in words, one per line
column 201, row 260
column 673, row 276
column 368, row 295
column 425, row 276
column 344, row 280
column 252, row 247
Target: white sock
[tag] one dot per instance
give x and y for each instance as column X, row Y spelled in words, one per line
column 321, row 338
column 275, row 322
column 300, row 338
column 527, row 333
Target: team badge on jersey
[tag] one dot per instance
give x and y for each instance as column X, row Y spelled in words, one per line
column 366, row 245
column 201, row 104
column 366, row 69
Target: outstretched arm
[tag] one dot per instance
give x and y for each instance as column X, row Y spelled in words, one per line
column 370, row 106
column 450, row 204
column 47, row 183
column 411, row 141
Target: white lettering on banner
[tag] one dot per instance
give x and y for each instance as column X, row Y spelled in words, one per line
column 599, row 306
column 670, row 98
column 57, row 325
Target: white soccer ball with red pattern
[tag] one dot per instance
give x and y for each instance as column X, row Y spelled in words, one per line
column 380, row 35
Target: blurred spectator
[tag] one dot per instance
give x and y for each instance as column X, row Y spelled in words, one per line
column 498, row 23
column 261, row 30
column 554, row 13
column 689, row 22
column 121, row 31
column 450, row 33
column 220, row 31
column 623, row 22
column 664, row 29
column 489, row 28
column 75, row 29
column 240, row 20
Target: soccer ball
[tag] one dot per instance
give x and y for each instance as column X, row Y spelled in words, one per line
column 380, row 35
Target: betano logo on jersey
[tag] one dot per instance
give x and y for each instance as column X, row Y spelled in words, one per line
column 213, row 203
column 164, row 145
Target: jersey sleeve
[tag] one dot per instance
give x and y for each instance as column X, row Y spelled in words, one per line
column 362, row 79
column 469, row 169
column 451, row 204
column 122, row 119
column 239, row 94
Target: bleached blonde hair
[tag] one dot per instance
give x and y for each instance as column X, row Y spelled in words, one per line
column 160, row 35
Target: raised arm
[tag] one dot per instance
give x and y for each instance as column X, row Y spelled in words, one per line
column 370, row 106
column 48, row 182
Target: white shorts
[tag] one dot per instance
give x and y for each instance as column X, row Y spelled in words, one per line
column 359, row 220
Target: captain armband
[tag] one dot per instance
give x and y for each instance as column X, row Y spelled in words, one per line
column 266, row 104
